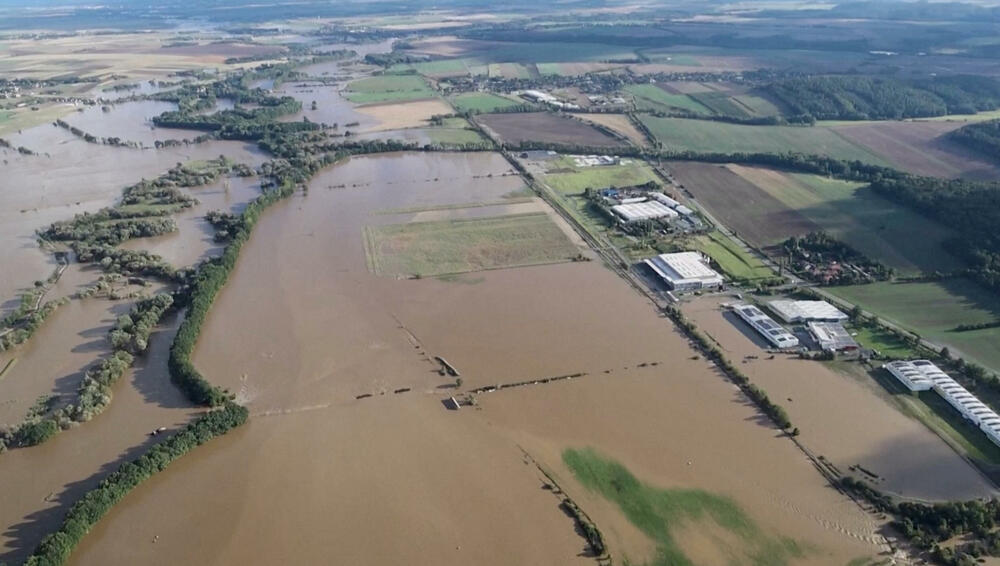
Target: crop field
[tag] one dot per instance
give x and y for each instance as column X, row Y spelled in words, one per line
column 871, row 224
column 389, row 88
column 438, row 69
column 574, row 69
column 619, row 123
column 720, row 103
column 933, row 310
column 757, row 105
column 454, row 131
column 753, row 214
column 921, row 147
column 652, row 97
column 462, row 246
column 663, row 514
column 510, row 70
column 733, row 260
column 482, row 102
column 574, row 180
column 545, row 127
column 718, row 137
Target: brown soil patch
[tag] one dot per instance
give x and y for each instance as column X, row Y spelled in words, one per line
column 922, row 148
column 405, row 114
column 546, row 127
column 619, row 123
column 739, row 204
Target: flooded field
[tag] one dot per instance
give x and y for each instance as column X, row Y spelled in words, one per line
column 846, row 419
column 130, row 121
column 71, row 176
column 50, row 477
column 337, row 367
column 331, row 107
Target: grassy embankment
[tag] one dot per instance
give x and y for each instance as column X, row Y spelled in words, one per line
column 662, row 513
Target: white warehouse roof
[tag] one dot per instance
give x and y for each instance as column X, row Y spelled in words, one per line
column 772, row 331
column 685, row 270
column 648, row 210
column 802, row 311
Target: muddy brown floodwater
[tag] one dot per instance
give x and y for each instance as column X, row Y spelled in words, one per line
column 303, row 328
column 844, row 418
column 68, row 177
column 51, row 477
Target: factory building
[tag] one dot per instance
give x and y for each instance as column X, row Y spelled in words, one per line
column 832, row 336
column 685, row 271
column 923, row 375
column 770, row 330
column 805, row 311
column 630, row 212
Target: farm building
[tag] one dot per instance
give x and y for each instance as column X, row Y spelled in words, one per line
column 832, row 336
column 805, row 311
column 770, row 330
column 645, row 210
column 923, row 375
column 685, row 271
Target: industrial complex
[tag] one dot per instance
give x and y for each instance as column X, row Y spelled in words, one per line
column 685, row 271
column 804, row 311
column 923, row 375
column 832, row 336
column 763, row 324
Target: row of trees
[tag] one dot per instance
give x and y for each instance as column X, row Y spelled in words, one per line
column 929, row 525
column 56, row 548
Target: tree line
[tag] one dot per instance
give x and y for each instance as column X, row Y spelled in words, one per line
column 983, row 137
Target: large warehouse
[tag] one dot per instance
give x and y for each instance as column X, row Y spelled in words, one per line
column 805, row 311
column 645, row 210
column 770, row 330
column 685, row 271
column 923, row 375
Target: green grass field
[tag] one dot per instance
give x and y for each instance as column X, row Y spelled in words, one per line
column 933, row 310
column 484, row 102
column 454, row 135
column 720, row 103
column 575, row 181
column 883, row 341
column 389, row 88
column 757, row 105
column 719, row 137
column 871, row 224
column 660, row 513
column 652, row 97
column 441, row 68
column 462, row 246
column 733, row 260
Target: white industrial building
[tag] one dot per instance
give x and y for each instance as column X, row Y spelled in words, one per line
column 804, row 311
column 923, row 375
column 664, row 199
column 645, row 210
column 685, row 271
column 770, row 330
column 832, row 336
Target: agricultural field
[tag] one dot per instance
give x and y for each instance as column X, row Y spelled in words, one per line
column 681, row 134
column 619, row 123
column 462, row 246
column 454, row 131
column 574, row 69
column 566, row 178
column 389, row 88
column 546, row 127
column 734, row 261
column 933, row 310
column 652, row 97
column 439, row 69
column 519, row 52
column 483, row 102
column 510, row 70
column 849, row 212
column 921, row 147
column 398, row 115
